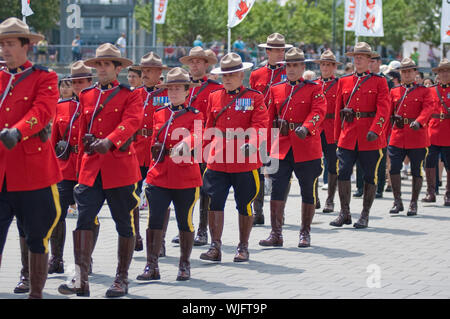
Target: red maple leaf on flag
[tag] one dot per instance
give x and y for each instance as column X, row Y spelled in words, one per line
column 448, row 31
column 369, row 22
column 243, row 9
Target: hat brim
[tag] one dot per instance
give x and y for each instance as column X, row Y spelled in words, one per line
column 80, row 77
column 167, row 85
column 92, row 62
column 268, row 46
column 33, row 37
column 402, row 68
column 185, row 59
column 245, row 66
column 439, row 68
column 369, row 54
column 322, row 60
column 142, row 66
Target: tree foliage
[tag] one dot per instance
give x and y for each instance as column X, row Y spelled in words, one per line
column 46, row 13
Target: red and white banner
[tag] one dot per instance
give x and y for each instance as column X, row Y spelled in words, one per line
column 369, row 22
column 351, row 7
column 238, row 10
column 26, row 9
column 445, row 22
column 160, row 11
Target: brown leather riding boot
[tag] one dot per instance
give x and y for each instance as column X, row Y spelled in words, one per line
column 96, row 231
column 307, row 217
column 275, row 238
column 396, row 183
column 151, row 271
column 344, row 191
column 184, row 267
column 38, row 274
column 125, row 251
column 416, row 187
column 447, row 190
column 202, row 232
column 57, row 240
column 82, row 247
column 139, row 245
column 368, row 197
column 23, row 285
column 245, row 227
column 216, row 220
column 162, row 251
column 329, row 203
column 430, row 174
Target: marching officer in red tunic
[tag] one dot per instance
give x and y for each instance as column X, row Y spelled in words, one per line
column 411, row 109
column 29, row 170
column 237, row 119
column 198, row 62
column 439, row 130
column 261, row 79
column 297, row 107
column 65, row 140
column 151, row 67
column 362, row 113
column 177, row 129
column 328, row 81
column 107, row 164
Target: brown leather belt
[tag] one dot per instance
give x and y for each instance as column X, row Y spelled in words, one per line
column 144, row 132
column 442, row 116
column 359, row 115
column 407, row 120
column 74, row 148
column 329, row 116
column 292, row 126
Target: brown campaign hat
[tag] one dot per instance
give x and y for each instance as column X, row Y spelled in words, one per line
column 231, row 63
column 212, row 55
column 151, row 60
column 108, row 52
column 375, row 56
column 294, row 55
column 198, row 53
column 16, row 28
column 406, row 64
column 275, row 41
column 444, row 64
column 361, row 48
column 177, row 76
column 327, row 56
column 80, row 71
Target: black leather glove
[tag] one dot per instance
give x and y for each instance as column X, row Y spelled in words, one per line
column 10, row 137
column 182, row 149
column 415, row 125
column 248, row 149
column 371, row 136
column 301, row 132
column 102, row 145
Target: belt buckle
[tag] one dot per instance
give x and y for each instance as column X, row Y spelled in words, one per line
column 291, row 126
column 169, row 151
column 358, row 115
column 441, row 116
column 75, row 148
column 405, row 120
column 144, row 132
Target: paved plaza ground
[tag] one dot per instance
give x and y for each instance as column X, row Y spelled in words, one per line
column 396, row 257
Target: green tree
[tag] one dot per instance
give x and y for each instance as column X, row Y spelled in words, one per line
column 46, row 13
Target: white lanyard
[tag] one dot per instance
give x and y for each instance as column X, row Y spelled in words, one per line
column 8, row 87
column 289, row 101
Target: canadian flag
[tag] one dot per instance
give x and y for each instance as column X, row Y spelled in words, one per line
column 238, row 10
column 369, row 21
column 160, row 10
column 351, row 10
column 445, row 22
column 26, row 9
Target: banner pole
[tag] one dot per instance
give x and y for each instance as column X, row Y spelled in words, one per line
column 229, row 39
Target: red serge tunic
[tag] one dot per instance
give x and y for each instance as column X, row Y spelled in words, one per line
column 416, row 103
column 28, row 106
column 329, row 88
column 306, row 106
column 440, row 121
column 66, row 124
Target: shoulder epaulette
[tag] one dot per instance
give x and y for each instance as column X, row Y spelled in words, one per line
column 65, row 100
column 166, row 105
column 278, row 83
column 397, row 86
column 346, row 75
column 376, row 74
column 253, row 90
column 258, row 67
column 88, row 88
column 139, row 87
column 125, row 86
column 193, row 110
column 310, row 82
column 41, row 68
column 212, row 82
column 433, row 85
